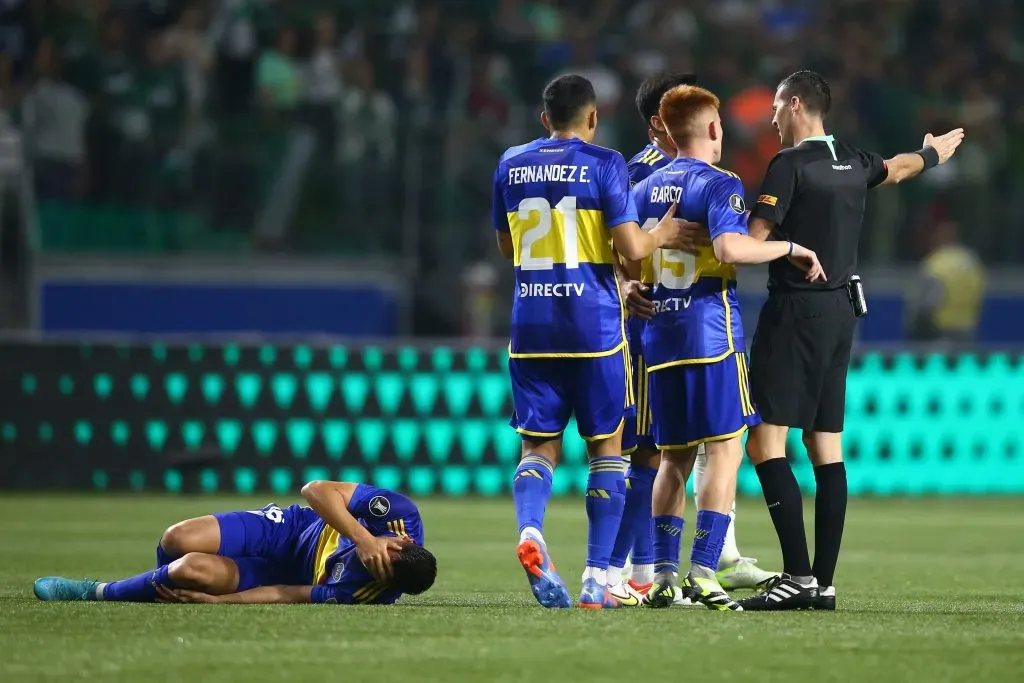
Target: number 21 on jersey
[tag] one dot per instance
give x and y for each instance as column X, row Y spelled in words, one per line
column 564, row 211
column 673, row 268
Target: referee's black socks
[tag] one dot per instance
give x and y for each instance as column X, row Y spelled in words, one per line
column 829, row 518
column 785, row 504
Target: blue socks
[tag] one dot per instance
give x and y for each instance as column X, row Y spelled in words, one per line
column 606, row 496
column 709, row 538
column 163, row 557
column 624, row 538
column 531, row 489
column 635, row 529
column 141, row 588
column 668, row 536
column 642, row 484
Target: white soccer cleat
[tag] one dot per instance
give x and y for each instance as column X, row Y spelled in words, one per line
column 743, row 574
column 625, row 594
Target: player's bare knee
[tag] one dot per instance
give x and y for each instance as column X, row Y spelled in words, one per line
column 175, row 539
column 724, row 454
column 549, row 449
column 679, row 459
column 756, row 451
column 194, row 570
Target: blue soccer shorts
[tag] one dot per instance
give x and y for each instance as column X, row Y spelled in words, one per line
column 265, row 544
column 702, row 402
column 546, row 392
column 636, row 432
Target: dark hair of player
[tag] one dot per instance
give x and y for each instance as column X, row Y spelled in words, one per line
column 650, row 92
column 680, row 107
column 811, row 88
column 413, row 569
column 565, row 97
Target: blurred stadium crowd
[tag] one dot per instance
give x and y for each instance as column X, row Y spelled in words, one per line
column 156, row 125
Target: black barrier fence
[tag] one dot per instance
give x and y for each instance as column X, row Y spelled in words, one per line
column 429, row 419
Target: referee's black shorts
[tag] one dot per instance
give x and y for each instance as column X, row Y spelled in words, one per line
column 799, row 359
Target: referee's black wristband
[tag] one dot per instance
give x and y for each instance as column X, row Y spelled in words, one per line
column 930, row 156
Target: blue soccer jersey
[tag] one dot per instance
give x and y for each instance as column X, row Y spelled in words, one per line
column 338, row 575
column 560, row 199
column 647, row 161
column 697, row 319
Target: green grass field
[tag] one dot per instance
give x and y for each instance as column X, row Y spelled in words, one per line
column 930, row 590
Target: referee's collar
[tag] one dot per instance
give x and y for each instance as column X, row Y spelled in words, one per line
column 827, row 139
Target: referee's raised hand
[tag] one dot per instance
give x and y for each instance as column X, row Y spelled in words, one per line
column 946, row 144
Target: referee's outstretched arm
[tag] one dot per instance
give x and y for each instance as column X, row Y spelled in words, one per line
column 934, row 151
column 780, row 179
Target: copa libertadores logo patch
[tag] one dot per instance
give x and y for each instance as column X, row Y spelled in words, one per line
column 737, row 203
column 339, row 569
column 380, row 506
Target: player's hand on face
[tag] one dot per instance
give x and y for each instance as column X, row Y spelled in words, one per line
column 375, row 554
column 182, row 595
column 807, row 261
column 946, row 144
column 635, row 295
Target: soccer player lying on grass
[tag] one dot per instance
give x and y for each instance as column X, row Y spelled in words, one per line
column 355, row 544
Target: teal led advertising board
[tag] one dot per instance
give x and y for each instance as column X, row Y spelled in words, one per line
column 242, row 418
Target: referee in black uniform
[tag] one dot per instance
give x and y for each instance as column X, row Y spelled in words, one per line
column 813, row 194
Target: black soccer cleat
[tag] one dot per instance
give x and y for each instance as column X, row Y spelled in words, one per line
column 780, row 594
column 826, row 599
column 662, row 591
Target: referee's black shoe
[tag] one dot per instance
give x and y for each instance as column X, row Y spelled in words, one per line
column 782, row 593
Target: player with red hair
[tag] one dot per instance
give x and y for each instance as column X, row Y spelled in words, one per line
column 694, row 345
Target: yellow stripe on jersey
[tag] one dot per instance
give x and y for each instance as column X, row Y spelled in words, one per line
column 768, row 199
column 369, row 592
column 715, row 359
column 647, row 270
column 325, row 547
column 401, row 528
column 725, row 171
column 651, row 157
column 531, row 241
